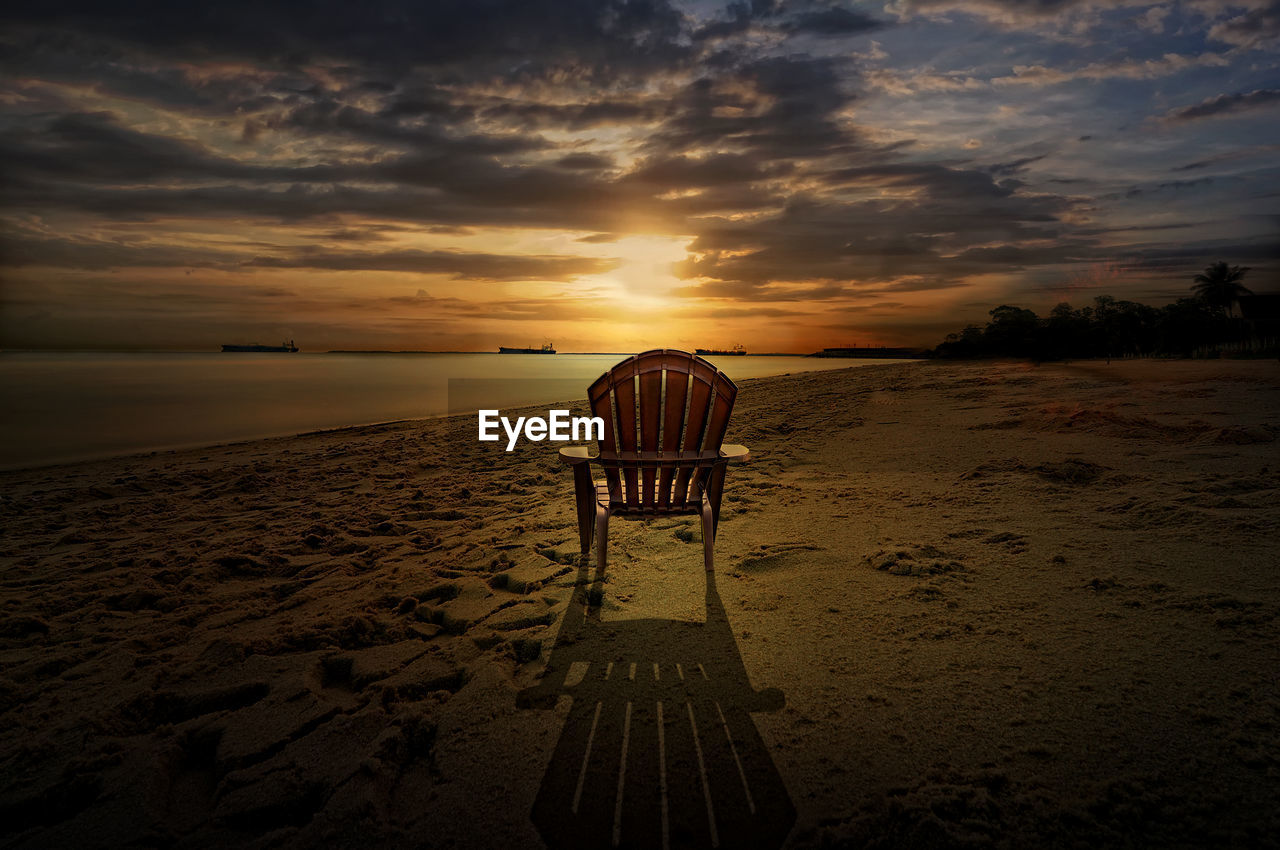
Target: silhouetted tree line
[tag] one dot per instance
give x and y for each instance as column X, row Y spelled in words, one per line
column 1110, row 328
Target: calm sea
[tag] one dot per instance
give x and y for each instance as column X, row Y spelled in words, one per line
column 63, row 406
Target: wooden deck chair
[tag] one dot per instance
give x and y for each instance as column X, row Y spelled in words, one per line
column 665, row 413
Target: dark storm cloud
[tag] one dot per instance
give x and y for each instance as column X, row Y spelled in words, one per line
column 504, row 34
column 1256, row 27
column 1250, row 24
column 917, row 242
column 1014, row 166
column 758, row 291
column 575, row 116
column 1239, row 154
column 1205, row 251
column 1026, row 8
column 91, row 162
column 460, row 265
column 420, row 100
column 331, row 117
column 585, row 162
column 772, row 108
column 56, row 166
column 300, row 203
column 364, row 233
column 1012, row 257
column 831, row 22
column 824, row 20
column 939, row 181
column 1040, row 7
column 71, row 57
column 682, row 172
column 1139, row 228
column 101, row 254
column 1166, row 186
column 1225, row 104
column 95, row 147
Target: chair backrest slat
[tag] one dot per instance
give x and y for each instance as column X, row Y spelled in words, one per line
column 702, row 386
column 673, row 420
column 696, row 421
column 676, row 399
column 721, row 407
column 663, row 400
column 624, row 394
column 600, row 395
column 650, row 419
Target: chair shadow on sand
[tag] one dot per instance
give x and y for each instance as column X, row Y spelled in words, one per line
column 659, row 749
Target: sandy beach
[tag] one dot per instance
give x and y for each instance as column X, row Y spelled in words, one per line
column 962, row 604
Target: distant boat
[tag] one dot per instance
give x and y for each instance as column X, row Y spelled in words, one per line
column 546, row 349
column 256, row 348
column 736, row 351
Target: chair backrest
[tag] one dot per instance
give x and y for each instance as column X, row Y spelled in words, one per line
column 664, row 402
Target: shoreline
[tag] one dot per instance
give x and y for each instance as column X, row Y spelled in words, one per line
column 356, row 427
column 969, row 602
column 70, row 407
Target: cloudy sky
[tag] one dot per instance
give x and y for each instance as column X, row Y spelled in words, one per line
column 618, row 175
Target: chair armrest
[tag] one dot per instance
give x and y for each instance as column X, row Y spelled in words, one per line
column 574, row 455
column 733, row 452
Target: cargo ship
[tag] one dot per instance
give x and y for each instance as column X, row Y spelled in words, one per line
column 546, row 349
column 736, row 351
column 258, row 349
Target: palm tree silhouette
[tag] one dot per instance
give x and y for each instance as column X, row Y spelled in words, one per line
column 1219, row 285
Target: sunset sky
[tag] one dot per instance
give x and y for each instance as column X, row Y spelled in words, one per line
column 613, row 176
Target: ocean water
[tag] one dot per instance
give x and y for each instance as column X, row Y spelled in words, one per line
column 59, row 407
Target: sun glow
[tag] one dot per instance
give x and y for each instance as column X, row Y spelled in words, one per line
column 647, row 264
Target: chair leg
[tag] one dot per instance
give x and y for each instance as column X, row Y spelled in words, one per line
column 708, row 536
column 585, row 497
column 602, row 537
column 715, row 489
